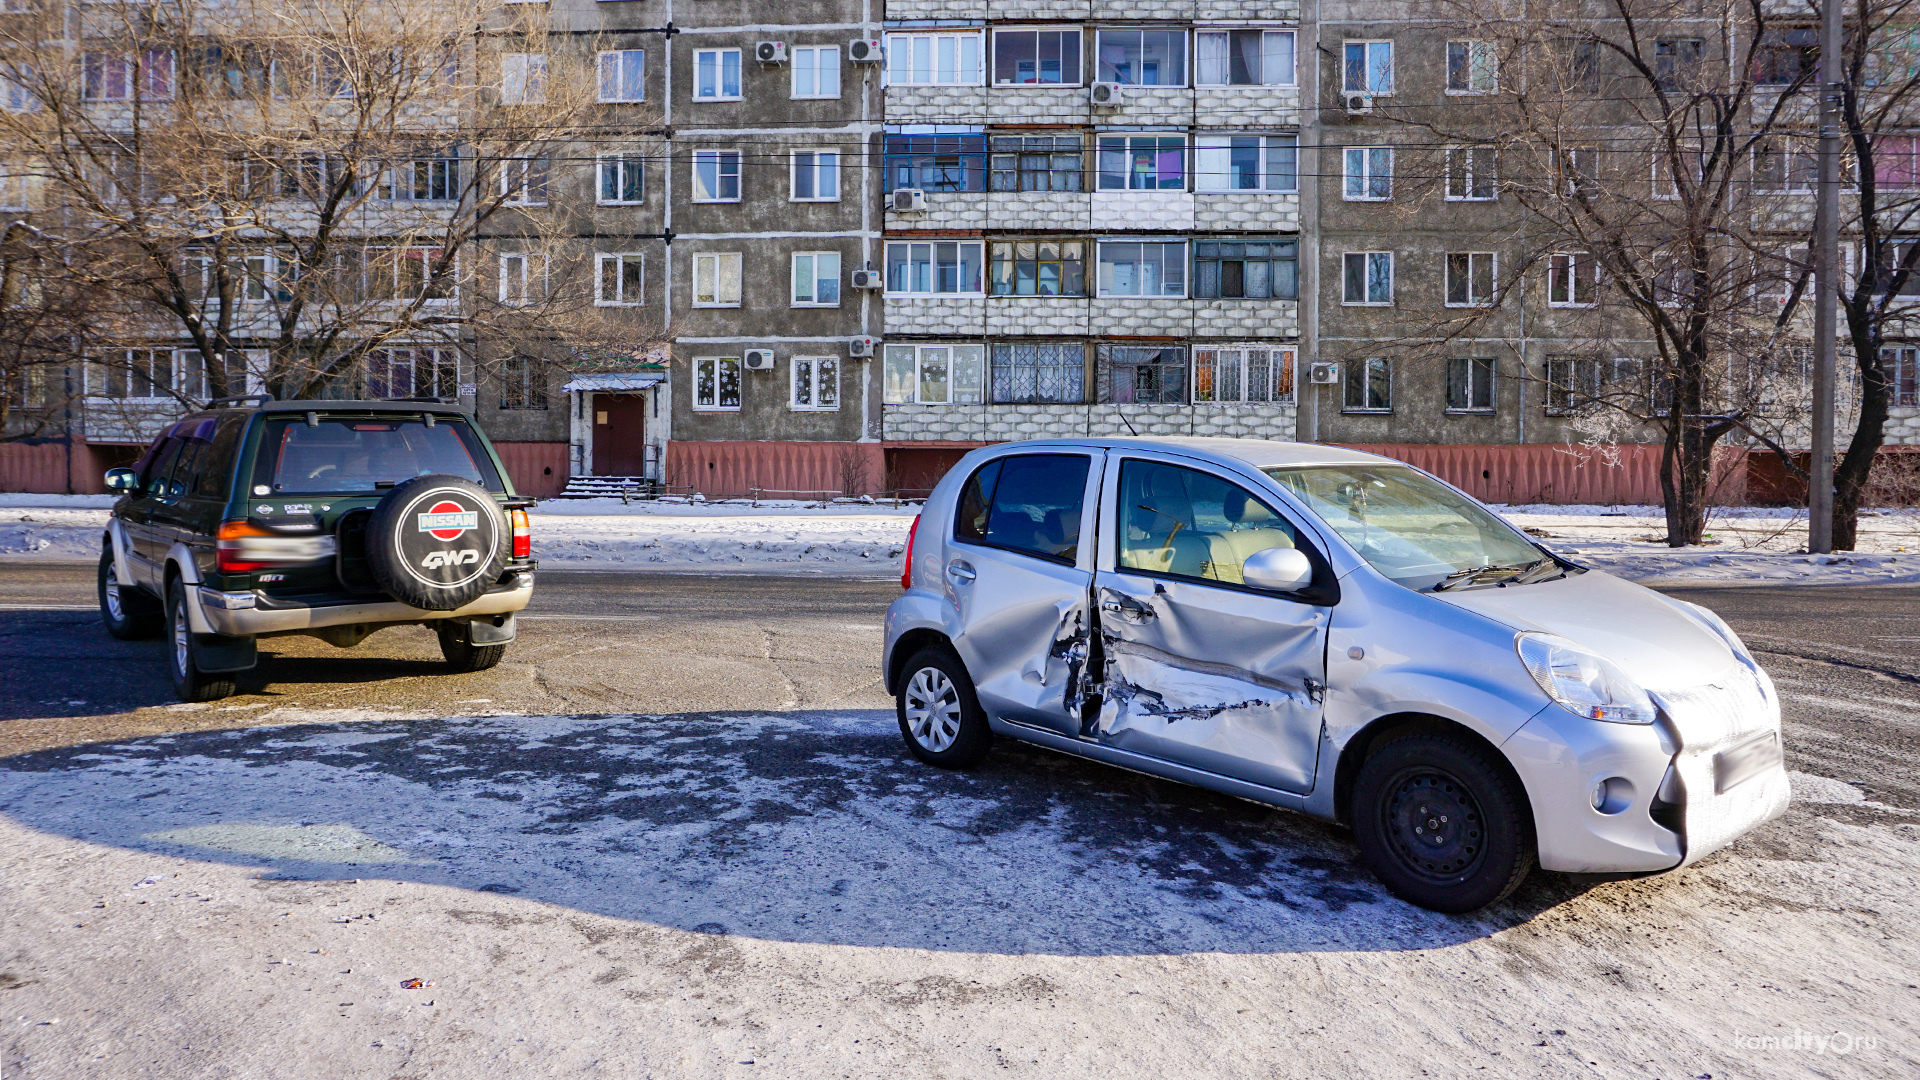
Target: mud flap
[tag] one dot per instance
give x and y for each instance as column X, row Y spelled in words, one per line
column 213, row 653
column 485, row 629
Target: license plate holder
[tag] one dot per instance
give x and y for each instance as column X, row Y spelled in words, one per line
column 1737, row 764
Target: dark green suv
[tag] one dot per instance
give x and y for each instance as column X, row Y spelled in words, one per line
column 334, row 519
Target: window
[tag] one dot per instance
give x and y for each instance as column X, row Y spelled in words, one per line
column 140, row 374
column 1039, row 268
column 523, row 384
column 1368, row 386
column 13, row 184
column 395, row 374
column 816, row 71
column 1367, row 278
column 716, row 279
column 716, row 383
column 116, row 76
column 431, row 177
column 1676, row 62
column 266, row 276
column 620, row 279
column 716, row 74
column 944, row 266
column 1573, row 279
column 1473, row 67
column 1578, row 168
column 1786, row 55
column 816, row 279
column 1252, row 374
column 933, row 374
column 716, row 176
column 523, row 181
column 623, row 76
column 1039, row 373
column 1780, row 165
column 1246, row 163
column 816, row 176
column 1579, row 60
column 1898, row 268
column 1903, row 367
column 1470, row 278
column 1896, row 162
column 1143, row 57
column 1185, row 523
column 1246, row 270
column 518, row 282
column 1037, row 163
column 1470, row 385
column 1369, row 173
column 1143, row 162
column 1036, row 57
column 1576, row 382
column 816, row 383
column 523, row 78
column 950, row 59
column 1030, row 503
column 1143, row 375
column 1143, row 268
column 621, row 178
column 16, row 93
column 1243, row 58
column 1470, row 174
column 1368, row 68
column 936, row 162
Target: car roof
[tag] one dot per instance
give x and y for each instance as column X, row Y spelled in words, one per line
column 337, row 405
column 1259, row 453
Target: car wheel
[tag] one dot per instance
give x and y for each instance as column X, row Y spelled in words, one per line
column 940, row 717
column 189, row 682
column 463, row 656
column 129, row 613
column 1442, row 822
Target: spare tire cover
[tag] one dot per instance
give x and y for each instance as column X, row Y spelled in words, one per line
column 436, row 542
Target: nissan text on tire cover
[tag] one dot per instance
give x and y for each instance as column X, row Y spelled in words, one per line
column 435, row 542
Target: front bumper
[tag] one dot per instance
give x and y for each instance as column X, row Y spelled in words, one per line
column 1562, row 758
column 221, row 616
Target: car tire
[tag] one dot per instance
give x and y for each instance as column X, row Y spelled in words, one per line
column 464, row 656
column 127, row 611
column 940, row 716
column 1443, row 822
column 437, row 570
column 189, row 682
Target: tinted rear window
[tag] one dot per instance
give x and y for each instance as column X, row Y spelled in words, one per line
column 361, row 455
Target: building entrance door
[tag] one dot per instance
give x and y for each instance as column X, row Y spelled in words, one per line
column 619, row 434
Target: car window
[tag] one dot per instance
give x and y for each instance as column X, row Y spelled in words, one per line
column 1030, row 503
column 351, row 455
column 196, row 457
column 160, row 466
column 1191, row 524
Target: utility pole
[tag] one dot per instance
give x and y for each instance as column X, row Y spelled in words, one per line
column 1826, row 266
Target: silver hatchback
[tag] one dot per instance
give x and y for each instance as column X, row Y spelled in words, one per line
column 1336, row 633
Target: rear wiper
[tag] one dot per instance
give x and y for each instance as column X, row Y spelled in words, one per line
column 1474, row 573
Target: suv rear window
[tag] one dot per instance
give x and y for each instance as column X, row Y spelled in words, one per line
column 359, row 455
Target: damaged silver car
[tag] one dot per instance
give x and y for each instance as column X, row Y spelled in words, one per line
column 1336, row 633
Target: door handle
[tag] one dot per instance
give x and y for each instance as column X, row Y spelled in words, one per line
column 960, row 571
column 1127, row 605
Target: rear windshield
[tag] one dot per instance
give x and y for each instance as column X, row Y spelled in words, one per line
column 361, row 455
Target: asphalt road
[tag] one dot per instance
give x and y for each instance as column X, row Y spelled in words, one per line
column 675, row 835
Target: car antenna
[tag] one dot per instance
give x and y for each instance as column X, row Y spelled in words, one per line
column 1129, row 423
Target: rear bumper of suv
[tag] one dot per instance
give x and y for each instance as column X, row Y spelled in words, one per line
column 223, row 614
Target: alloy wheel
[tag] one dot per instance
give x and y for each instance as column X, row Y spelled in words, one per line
column 182, row 639
column 933, row 709
column 114, row 608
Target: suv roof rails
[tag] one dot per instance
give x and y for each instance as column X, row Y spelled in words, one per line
column 242, row 399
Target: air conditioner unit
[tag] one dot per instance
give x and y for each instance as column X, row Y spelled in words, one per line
column 1105, row 95
column 861, row 346
column 1323, row 373
column 759, row 359
column 771, row 52
column 865, row 51
column 868, row 279
column 1359, row 104
column 910, row 201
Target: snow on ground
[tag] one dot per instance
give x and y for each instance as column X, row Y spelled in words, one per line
column 1744, row 544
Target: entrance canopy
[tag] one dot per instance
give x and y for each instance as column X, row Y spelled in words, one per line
column 615, row 383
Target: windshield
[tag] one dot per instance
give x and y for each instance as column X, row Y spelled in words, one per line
column 361, row 455
column 1411, row 528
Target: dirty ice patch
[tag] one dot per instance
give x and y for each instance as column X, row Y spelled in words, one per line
column 806, row 827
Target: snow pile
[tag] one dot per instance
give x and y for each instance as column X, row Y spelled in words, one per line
column 604, row 533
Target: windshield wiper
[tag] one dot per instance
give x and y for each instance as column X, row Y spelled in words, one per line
column 1474, row 573
column 1539, row 571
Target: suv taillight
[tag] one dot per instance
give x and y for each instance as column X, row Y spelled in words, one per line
column 522, row 534
column 906, row 571
column 241, row 547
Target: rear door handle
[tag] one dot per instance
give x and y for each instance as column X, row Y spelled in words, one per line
column 960, row 571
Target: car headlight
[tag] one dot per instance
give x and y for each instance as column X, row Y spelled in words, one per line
column 1582, row 681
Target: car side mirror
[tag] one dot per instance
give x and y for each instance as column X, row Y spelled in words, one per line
column 122, row 480
column 1278, row 569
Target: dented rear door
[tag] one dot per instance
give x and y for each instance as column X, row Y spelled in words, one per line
column 1197, row 668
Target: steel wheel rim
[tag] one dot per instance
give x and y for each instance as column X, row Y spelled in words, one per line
column 182, row 639
column 1434, row 825
column 114, row 609
column 932, row 709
